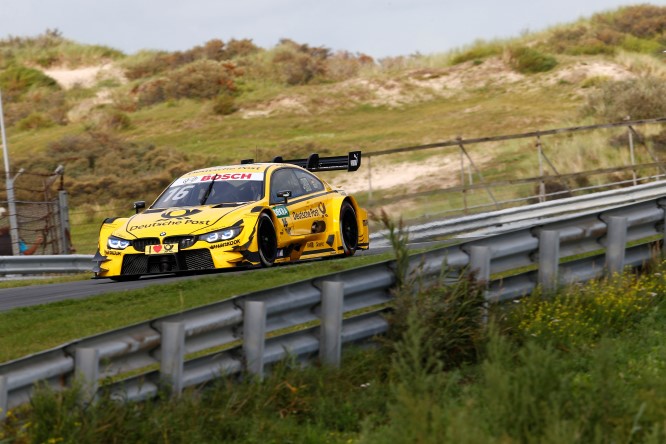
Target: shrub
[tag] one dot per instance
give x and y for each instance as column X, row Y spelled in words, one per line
column 449, row 316
column 34, row 121
column 109, row 119
column 300, row 64
column 584, row 40
column 203, row 79
column 528, row 60
column 240, row 48
column 151, row 92
column 636, row 44
column 224, row 105
column 16, row 80
column 644, row 21
column 344, row 65
column 479, row 51
column 640, row 98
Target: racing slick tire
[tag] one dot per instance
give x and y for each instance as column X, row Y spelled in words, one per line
column 266, row 240
column 348, row 229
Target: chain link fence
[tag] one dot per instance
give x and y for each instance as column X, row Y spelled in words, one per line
column 42, row 214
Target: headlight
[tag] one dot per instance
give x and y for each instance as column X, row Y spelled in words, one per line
column 220, row 235
column 117, row 243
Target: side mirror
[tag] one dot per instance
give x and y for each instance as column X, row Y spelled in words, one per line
column 139, row 205
column 285, row 195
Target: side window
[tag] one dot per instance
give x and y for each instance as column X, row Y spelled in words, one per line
column 285, row 180
column 309, row 182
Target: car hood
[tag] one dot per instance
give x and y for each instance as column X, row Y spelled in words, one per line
column 181, row 221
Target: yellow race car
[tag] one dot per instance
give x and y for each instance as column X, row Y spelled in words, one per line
column 252, row 214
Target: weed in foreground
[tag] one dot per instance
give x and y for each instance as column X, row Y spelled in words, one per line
column 580, row 314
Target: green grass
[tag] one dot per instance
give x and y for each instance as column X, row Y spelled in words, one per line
column 97, row 314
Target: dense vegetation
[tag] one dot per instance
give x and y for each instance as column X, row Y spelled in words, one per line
column 585, row 365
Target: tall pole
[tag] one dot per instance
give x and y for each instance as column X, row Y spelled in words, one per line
column 11, row 200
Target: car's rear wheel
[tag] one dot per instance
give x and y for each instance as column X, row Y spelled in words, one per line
column 348, row 229
column 267, row 240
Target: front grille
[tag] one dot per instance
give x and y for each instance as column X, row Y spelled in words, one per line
column 197, row 259
column 135, row 264
column 167, row 263
column 182, row 241
column 141, row 244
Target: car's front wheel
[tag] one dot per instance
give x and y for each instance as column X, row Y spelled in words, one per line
column 267, row 240
column 348, row 229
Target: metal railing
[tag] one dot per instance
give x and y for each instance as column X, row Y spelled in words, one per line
column 313, row 318
column 502, row 190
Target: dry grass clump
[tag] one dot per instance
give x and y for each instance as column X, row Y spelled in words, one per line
column 640, row 98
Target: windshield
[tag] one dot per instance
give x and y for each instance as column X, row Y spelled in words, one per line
column 228, row 188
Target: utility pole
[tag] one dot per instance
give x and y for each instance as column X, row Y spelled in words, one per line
column 11, row 200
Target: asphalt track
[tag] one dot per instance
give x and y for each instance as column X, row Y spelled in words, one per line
column 44, row 294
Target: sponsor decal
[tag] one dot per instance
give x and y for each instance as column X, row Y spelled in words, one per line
column 162, row 249
column 187, row 180
column 112, row 252
column 216, row 176
column 179, row 214
column 315, row 244
column 320, row 211
column 168, row 223
column 281, row 211
column 172, row 218
column 225, row 244
column 354, row 160
column 227, row 168
column 227, row 176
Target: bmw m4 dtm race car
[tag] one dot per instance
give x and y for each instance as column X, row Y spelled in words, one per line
column 251, row 214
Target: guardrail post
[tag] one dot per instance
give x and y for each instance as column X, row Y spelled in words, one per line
column 86, row 370
column 479, row 266
column 173, row 355
column 549, row 260
column 479, row 263
column 663, row 234
column 4, row 396
column 330, row 343
column 616, row 242
column 63, row 210
column 254, row 337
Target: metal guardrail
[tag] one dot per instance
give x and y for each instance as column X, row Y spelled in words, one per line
column 45, row 264
column 305, row 319
column 495, row 222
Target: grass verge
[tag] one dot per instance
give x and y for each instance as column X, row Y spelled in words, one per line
column 32, row 329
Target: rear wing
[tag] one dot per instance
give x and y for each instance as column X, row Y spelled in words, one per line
column 350, row 162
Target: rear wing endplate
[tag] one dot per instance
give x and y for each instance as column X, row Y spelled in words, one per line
column 350, row 162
